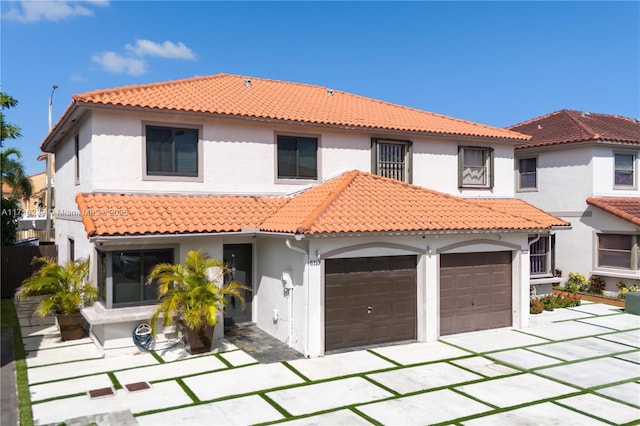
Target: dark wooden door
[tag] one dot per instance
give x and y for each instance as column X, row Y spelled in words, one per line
column 239, row 259
column 369, row 300
column 475, row 291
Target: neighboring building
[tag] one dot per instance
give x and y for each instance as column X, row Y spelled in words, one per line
column 583, row 167
column 33, row 220
column 311, row 194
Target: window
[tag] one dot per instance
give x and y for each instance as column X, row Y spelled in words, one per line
column 617, row 251
column 297, row 157
column 540, row 256
column 527, row 173
column 76, row 158
column 624, row 170
column 475, row 167
column 72, row 249
column 172, row 151
column 126, row 272
column 391, row 158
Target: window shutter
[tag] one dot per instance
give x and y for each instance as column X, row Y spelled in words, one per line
column 491, row 170
column 460, row 165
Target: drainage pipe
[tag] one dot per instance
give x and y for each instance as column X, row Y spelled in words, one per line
column 305, row 283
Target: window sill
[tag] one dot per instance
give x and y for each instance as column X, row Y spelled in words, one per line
column 615, row 273
column 527, row 190
column 98, row 314
column 544, row 280
column 172, row 178
column 297, row 181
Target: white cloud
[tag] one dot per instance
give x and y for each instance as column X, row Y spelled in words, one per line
column 167, row 49
column 29, row 11
column 115, row 63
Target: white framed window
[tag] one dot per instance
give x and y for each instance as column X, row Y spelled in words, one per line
column 172, row 152
column 527, row 174
column 624, row 175
column 297, row 157
column 475, row 167
column 618, row 251
column 392, row 158
column 541, row 256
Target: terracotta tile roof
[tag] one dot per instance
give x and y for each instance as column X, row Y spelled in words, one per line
column 566, row 126
column 521, row 208
column 354, row 202
column 625, row 208
column 361, row 202
column 138, row 214
column 231, row 95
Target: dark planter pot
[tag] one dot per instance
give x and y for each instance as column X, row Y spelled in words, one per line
column 71, row 326
column 199, row 341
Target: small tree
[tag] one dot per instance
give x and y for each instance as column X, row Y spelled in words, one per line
column 9, row 131
column 65, row 287
column 188, row 293
column 9, row 221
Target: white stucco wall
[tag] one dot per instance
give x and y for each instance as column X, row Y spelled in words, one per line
column 604, row 168
column 240, row 157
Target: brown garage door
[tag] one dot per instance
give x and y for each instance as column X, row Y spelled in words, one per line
column 475, row 291
column 369, row 300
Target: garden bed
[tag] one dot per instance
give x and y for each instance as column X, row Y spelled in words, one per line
column 593, row 298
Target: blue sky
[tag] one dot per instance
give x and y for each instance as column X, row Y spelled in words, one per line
column 497, row 63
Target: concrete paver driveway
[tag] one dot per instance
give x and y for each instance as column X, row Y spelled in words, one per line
column 572, row 366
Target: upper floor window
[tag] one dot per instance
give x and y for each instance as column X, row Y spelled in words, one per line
column 392, row 158
column 540, row 256
column 76, row 158
column 475, row 167
column 297, row 157
column 172, row 151
column 624, row 174
column 618, row 251
column 527, row 174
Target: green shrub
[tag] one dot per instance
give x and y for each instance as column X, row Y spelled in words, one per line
column 623, row 289
column 596, row 285
column 576, row 282
column 549, row 302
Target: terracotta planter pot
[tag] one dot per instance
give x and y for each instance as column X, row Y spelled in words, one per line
column 71, row 326
column 199, row 341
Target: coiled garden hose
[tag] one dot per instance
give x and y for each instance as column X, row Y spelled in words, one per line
column 142, row 337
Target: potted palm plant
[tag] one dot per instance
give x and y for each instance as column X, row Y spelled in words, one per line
column 192, row 293
column 64, row 289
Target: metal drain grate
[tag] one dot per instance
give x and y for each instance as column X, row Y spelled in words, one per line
column 101, row 393
column 137, row 386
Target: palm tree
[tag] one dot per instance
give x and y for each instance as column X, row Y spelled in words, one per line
column 64, row 286
column 9, row 131
column 13, row 174
column 190, row 294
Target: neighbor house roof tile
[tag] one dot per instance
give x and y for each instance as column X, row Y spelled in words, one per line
column 566, row 126
column 625, row 208
column 266, row 99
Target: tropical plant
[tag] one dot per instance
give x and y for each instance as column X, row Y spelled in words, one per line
column 576, row 282
column 9, row 131
column 596, row 285
column 192, row 292
column 65, row 287
column 9, row 221
column 549, row 302
column 13, row 173
column 623, row 289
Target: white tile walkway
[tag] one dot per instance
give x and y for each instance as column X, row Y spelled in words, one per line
column 181, row 368
column 333, row 418
column 566, row 330
column 484, row 366
column 340, row 365
column 492, row 340
column 581, row 348
column 515, row 390
column 627, row 392
column 631, row 338
column 63, row 354
column 238, row 358
column 606, row 409
column 323, row 396
column 524, row 358
column 426, row 408
column 238, row 411
column 547, row 414
column 241, row 380
column 417, row 353
column 595, row 372
column 429, row 376
column 616, row 322
column 68, row 387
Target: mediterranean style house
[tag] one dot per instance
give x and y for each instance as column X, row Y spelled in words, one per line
column 583, row 168
column 354, row 221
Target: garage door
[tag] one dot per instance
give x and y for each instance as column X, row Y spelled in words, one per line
column 475, row 291
column 369, row 300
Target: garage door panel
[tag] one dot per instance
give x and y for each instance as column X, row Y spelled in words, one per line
column 475, row 291
column 387, row 284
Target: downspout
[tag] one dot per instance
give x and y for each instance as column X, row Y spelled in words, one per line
column 305, row 282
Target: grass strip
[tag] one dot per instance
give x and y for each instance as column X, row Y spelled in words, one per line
column 296, row 372
column 389, row 360
column 223, row 360
column 10, row 320
column 188, row 391
column 114, row 381
column 276, row 406
column 157, row 357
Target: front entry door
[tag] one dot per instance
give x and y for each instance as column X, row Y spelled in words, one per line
column 238, row 258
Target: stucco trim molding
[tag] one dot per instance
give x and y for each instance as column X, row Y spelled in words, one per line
column 478, row 242
column 357, row 247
